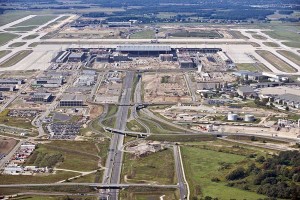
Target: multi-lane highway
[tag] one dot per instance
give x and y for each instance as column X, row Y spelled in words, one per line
column 115, row 154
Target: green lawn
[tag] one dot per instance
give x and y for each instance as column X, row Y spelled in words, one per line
column 6, row 37
column 284, row 32
column 259, row 37
column 14, row 59
column 246, row 66
column 142, row 193
column 36, row 21
column 4, row 53
column 17, row 44
column 76, row 155
column 197, row 34
column 157, row 167
column 11, row 16
column 60, row 175
column 146, row 34
column 34, row 44
column 202, row 165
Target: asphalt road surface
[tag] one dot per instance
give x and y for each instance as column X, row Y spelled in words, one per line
column 115, row 154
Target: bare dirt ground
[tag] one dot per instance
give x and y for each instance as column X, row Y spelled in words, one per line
column 166, row 88
column 6, row 145
column 95, row 111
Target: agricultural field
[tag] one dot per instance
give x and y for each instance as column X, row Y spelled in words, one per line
column 146, row 169
column 275, row 61
column 290, row 55
column 6, row 37
column 14, row 59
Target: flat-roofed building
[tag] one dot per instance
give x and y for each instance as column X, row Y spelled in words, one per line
column 11, row 82
column 119, row 24
column 70, row 100
column 48, row 80
column 42, row 97
column 76, row 57
column 8, row 88
column 246, row 91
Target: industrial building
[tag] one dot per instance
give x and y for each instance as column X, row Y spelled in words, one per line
column 41, row 97
column 119, row 57
column 247, row 75
column 70, row 100
column 266, row 84
column 8, row 88
column 144, row 50
column 49, row 80
column 166, row 57
column 76, row 57
column 246, row 91
column 288, row 99
column 186, row 62
column 11, row 82
column 63, row 57
column 119, row 24
column 103, row 58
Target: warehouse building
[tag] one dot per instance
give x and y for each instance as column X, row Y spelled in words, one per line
column 63, row 57
column 41, row 97
column 119, row 24
column 11, row 82
column 288, row 99
column 76, row 57
column 8, row 88
column 103, row 58
column 186, row 62
column 119, row 57
column 144, row 50
column 246, row 91
column 49, row 80
column 70, row 100
column 166, row 57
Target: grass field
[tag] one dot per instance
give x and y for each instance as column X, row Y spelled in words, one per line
column 60, row 175
column 198, row 34
column 202, row 165
column 54, row 197
column 75, row 155
column 237, row 35
column 9, row 17
column 284, row 32
column 13, row 121
column 21, row 28
column 36, row 21
column 6, row 37
column 148, row 169
column 4, row 53
column 34, row 44
column 253, row 67
column 145, row 34
column 291, row 56
column 259, row 37
column 292, row 44
column 30, row 37
column 275, row 61
column 90, row 178
column 270, row 44
column 14, row 59
column 133, row 125
column 180, row 138
column 17, row 44
column 142, row 193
